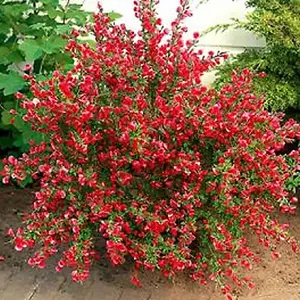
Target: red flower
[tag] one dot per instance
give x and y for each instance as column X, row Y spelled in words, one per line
column 196, row 35
column 134, row 280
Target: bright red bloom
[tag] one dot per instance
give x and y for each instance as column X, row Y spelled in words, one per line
column 170, row 173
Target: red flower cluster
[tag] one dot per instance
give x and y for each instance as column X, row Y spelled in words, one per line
column 136, row 150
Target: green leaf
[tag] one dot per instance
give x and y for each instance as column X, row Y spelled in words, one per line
column 77, row 15
column 63, row 29
column 91, row 43
column 4, row 28
column 26, row 181
column 42, row 77
column 9, row 55
column 28, row 135
column 75, row 6
column 114, row 16
column 18, row 142
column 9, row 105
column 11, row 83
column 41, row 26
column 63, row 59
column 19, row 123
column 6, row 117
column 6, row 142
column 31, row 49
column 54, row 13
column 24, row 29
column 15, row 56
column 14, row 9
column 54, row 44
column 58, row 41
column 4, row 52
column 53, row 3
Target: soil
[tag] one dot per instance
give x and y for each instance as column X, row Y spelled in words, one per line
column 275, row 280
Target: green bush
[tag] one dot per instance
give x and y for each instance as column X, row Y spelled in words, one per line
column 31, row 32
column 278, row 22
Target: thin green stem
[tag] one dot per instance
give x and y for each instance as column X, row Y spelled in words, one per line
column 65, row 11
column 42, row 63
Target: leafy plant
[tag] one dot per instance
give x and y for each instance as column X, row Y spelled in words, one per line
column 31, row 41
column 278, row 22
column 140, row 153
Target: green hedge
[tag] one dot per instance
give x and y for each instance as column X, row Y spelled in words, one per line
column 278, row 22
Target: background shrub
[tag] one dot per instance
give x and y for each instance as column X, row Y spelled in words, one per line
column 278, row 22
column 139, row 153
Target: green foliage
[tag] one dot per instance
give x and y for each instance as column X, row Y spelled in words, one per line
column 114, row 16
column 293, row 183
column 31, row 33
column 11, row 83
column 278, row 22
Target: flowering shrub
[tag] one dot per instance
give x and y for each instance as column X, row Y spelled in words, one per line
column 136, row 150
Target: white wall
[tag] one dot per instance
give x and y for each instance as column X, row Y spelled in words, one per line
column 211, row 13
column 205, row 15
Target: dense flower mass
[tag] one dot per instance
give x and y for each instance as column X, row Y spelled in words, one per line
column 137, row 151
